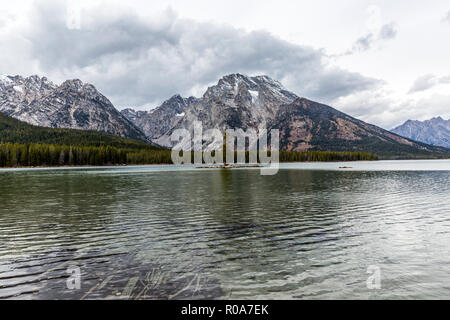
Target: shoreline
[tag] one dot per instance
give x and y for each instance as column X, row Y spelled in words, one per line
column 204, row 166
column 214, row 166
column 88, row 166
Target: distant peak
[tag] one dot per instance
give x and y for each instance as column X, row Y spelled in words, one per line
column 10, row 78
column 239, row 76
column 31, row 83
column 265, row 78
column 250, row 82
column 234, row 76
column 74, row 81
column 176, row 97
column 35, row 77
column 434, row 119
column 72, row 84
column 5, row 78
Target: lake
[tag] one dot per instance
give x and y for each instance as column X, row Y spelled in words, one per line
column 377, row 230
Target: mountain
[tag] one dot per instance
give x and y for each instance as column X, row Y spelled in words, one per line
column 158, row 121
column 239, row 101
column 16, row 131
column 73, row 104
column 132, row 114
column 435, row 131
column 236, row 101
column 308, row 125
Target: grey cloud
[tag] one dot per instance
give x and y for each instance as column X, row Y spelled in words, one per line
column 334, row 84
column 422, row 83
column 366, row 42
column 388, row 31
column 135, row 61
column 428, row 81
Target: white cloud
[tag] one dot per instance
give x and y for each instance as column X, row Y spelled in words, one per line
column 447, row 17
column 385, row 32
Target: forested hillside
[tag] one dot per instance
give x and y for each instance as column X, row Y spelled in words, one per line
column 24, row 145
column 23, row 155
column 15, row 131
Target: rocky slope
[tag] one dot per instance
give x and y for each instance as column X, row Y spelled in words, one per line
column 73, row 104
column 308, row 125
column 157, row 122
column 237, row 101
column 435, row 131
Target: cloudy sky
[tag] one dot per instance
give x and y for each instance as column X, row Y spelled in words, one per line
column 381, row 61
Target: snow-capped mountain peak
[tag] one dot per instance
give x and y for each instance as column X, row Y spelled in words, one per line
column 73, row 104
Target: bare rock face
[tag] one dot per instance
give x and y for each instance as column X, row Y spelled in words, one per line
column 132, row 114
column 157, row 122
column 73, row 104
column 435, row 131
column 237, row 101
column 308, row 125
column 17, row 92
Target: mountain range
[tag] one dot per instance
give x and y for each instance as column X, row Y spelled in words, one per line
column 435, row 131
column 73, row 104
column 236, row 101
column 239, row 101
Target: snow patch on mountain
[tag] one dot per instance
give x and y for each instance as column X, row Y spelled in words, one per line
column 254, row 95
column 5, row 79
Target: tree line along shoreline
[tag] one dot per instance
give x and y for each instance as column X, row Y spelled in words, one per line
column 51, row 155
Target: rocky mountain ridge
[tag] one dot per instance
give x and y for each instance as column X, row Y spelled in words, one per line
column 236, row 101
column 156, row 122
column 435, row 131
column 73, row 104
column 239, row 101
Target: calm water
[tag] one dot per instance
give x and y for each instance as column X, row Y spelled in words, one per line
column 160, row 232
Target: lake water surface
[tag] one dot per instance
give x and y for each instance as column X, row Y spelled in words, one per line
column 312, row 231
